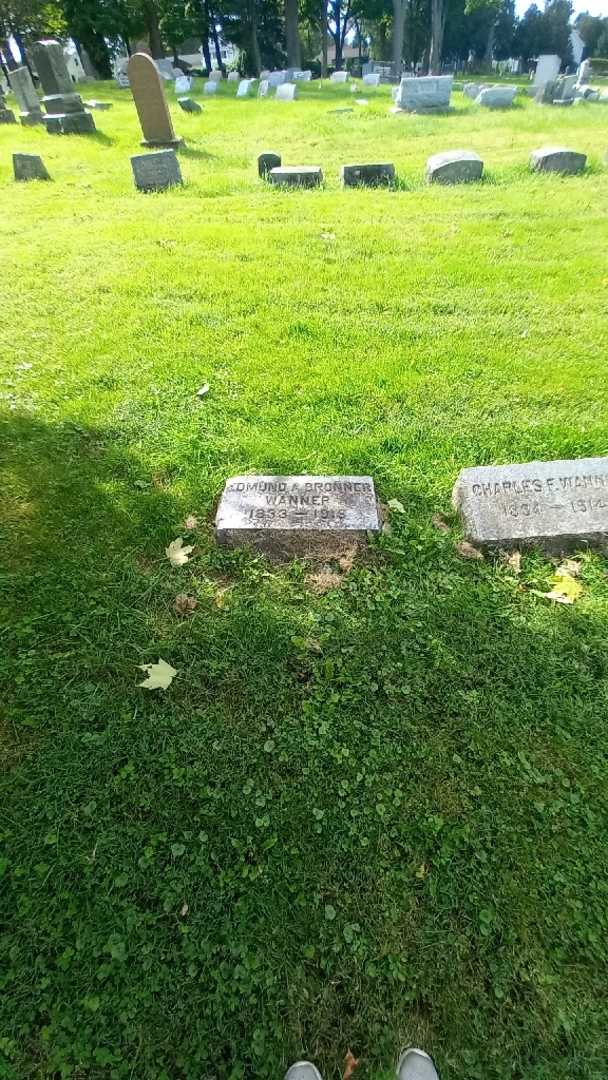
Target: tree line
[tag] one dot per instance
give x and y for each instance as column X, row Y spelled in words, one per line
column 275, row 33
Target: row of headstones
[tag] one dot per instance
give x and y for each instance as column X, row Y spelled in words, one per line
column 64, row 110
column 558, row 504
column 432, row 93
column 160, row 170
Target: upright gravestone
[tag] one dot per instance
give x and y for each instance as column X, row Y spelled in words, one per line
column 557, row 159
column 65, row 111
column 151, row 103
column 430, row 93
column 297, row 515
column 156, row 171
column 560, row 504
column 27, row 99
column 244, row 88
column 29, row 167
column 210, row 87
column 496, row 97
column 286, row 91
column 339, row 77
column 7, row 116
column 454, row 167
column 263, row 88
column 266, row 161
column 369, row 175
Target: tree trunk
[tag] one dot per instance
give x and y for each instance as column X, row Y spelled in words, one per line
column 205, row 34
column 292, row 34
column 438, row 8
column 256, row 59
column 154, row 38
column 216, row 42
column 399, row 9
column 324, row 39
column 337, row 35
column 487, row 59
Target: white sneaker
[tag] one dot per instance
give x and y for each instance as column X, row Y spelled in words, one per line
column 416, row 1065
column 303, row 1070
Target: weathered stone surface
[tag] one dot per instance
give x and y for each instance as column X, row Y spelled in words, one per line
column 51, row 67
column 29, row 167
column 27, row 99
column 472, row 89
column 429, row 93
column 244, row 88
column 7, row 116
column 564, row 88
column 296, row 175
column 276, row 78
column 101, row 106
column 151, row 103
column 496, row 97
column 215, row 75
column 454, row 167
column 233, row 76
column 266, row 161
column 558, row 503
column 372, row 175
column 263, row 88
column 80, row 123
column 339, row 77
column 210, row 87
column 557, row 159
column 302, row 76
column 189, row 105
column 286, row 91
column 62, row 103
column 297, row 515
column 156, row 171
column 547, row 68
column 371, row 79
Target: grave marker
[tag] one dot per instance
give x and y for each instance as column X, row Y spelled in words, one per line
column 266, row 161
column 156, row 171
column 297, row 515
column 65, row 111
column 454, row 167
column 29, row 167
column 372, row 175
column 557, row 503
column 429, row 93
column 151, row 103
column 557, row 159
column 296, row 176
column 27, row 99
column 286, row 92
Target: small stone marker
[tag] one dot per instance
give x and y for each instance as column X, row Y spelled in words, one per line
column 100, row 106
column 151, row 103
column 373, row 175
column 286, row 92
column 156, row 171
column 302, row 76
column 29, row 167
column 294, row 515
column 27, row 99
column 215, row 75
column 496, row 97
column 183, row 84
column 339, row 77
column 296, row 176
column 371, row 79
column 7, row 116
column 266, row 161
column 557, row 159
column 276, row 78
column 244, row 88
column 454, row 167
column 472, row 90
column 189, row 105
column 210, row 87
column 558, row 503
column 263, row 88
column 233, row 76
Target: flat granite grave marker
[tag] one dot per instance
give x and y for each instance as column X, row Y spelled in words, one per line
column 210, row 87
column 156, row 171
column 297, row 515
column 372, row 175
column 27, row 99
column 151, row 103
column 560, row 504
column 296, row 176
column 557, row 159
column 189, row 105
column 454, row 167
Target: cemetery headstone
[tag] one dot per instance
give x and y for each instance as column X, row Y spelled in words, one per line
column 496, row 97
column 472, row 90
column 564, row 88
column 429, row 93
column 29, row 167
column 266, row 161
column 371, row 79
column 65, row 112
column 244, row 88
column 560, row 504
column 454, row 167
column 7, row 116
column 547, row 68
column 302, row 76
column 372, row 175
column 233, row 76
column 151, row 103
column 183, row 84
column 296, row 176
column 263, row 88
column 276, row 78
column 156, row 171
column 557, row 159
column 166, row 70
column 286, row 92
column 23, row 88
column 297, row 515
column 210, row 87
column 189, row 105
column 339, row 77
column 215, row 75
column 101, row 106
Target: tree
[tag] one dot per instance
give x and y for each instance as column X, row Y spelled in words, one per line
column 292, row 33
column 438, row 16
column 528, row 37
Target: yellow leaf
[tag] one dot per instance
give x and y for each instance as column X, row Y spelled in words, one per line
column 565, row 590
column 422, row 871
column 159, row 676
column 177, row 552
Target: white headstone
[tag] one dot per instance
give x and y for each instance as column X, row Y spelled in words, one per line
column 339, row 77
column 427, row 93
column 286, row 92
column 166, row 69
column 210, row 87
column 373, row 79
column 244, row 87
column 233, row 76
column 547, row 68
column 276, row 78
column 263, row 88
column 302, row 76
column 183, row 84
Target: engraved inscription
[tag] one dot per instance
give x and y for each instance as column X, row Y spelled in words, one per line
column 331, row 503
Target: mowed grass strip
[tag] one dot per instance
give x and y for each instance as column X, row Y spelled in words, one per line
column 366, row 817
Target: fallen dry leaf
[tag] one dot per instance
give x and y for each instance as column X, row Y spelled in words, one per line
column 468, row 551
column 178, row 553
column 203, row 390
column 350, row 1064
column 184, row 605
column 347, row 559
column 422, row 871
column 191, row 523
column 439, row 522
column 569, row 566
column 159, row 676
column 565, row 589
column 513, row 560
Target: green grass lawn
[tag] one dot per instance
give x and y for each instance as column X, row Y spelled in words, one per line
column 361, row 818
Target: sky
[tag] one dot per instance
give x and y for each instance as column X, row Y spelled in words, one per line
column 594, row 7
